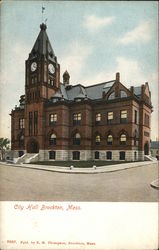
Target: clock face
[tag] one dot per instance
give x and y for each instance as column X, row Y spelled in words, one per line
column 51, row 68
column 33, row 66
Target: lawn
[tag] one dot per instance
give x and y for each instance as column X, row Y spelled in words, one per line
column 79, row 164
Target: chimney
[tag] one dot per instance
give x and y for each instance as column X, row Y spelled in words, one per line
column 66, row 78
column 117, row 77
column 132, row 90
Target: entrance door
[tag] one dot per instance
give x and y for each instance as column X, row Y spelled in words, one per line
column 32, row 146
column 146, row 148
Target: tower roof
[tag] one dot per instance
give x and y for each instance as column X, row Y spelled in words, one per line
column 42, row 45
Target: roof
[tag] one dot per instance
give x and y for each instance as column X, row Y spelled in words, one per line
column 93, row 92
column 42, row 45
column 155, row 144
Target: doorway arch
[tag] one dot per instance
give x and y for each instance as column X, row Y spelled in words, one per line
column 33, row 146
column 146, row 148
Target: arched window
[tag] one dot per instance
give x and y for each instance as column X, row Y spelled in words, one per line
column 110, row 140
column 97, row 139
column 111, row 96
column 123, row 94
column 21, row 141
column 76, row 139
column 122, row 139
column 52, row 139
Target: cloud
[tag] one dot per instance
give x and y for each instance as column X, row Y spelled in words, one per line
column 12, row 82
column 131, row 74
column 75, row 59
column 142, row 33
column 94, row 23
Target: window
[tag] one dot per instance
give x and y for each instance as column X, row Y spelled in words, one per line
column 146, row 120
column 53, row 119
column 30, row 123
column 109, row 155
column 135, row 117
column 52, row 155
column 52, row 139
column 110, row 140
column 111, row 96
column 32, row 80
column 21, row 141
column 97, row 139
column 35, row 122
column 77, row 119
column 76, row 139
column 52, row 82
column 146, row 134
column 21, row 123
column 123, row 139
column 76, row 155
column 109, row 117
column 122, row 155
column 96, row 155
column 135, row 155
column 21, row 153
column 98, row 118
column 123, row 94
column 135, row 137
column 123, row 116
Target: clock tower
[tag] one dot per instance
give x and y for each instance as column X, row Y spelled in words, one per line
column 42, row 80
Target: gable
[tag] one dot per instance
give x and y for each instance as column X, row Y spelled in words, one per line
column 147, row 92
column 118, row 90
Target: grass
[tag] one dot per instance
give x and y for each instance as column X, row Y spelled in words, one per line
column 79, row 164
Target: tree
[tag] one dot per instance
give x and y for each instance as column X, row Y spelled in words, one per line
column 4, row 145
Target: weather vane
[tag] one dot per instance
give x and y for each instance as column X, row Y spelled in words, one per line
column 42, row 11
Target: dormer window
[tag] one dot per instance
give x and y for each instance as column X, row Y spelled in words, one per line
column 123, row 94
column 111, row 96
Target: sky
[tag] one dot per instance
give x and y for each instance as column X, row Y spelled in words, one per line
column 91, row 39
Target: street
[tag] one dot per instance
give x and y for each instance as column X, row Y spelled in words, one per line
column 130, row 185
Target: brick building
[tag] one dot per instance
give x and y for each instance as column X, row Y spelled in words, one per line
column 57, row 120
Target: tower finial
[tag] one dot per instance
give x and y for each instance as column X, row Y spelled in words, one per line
column 42, row 12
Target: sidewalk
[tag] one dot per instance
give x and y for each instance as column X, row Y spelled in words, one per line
column 102, row 169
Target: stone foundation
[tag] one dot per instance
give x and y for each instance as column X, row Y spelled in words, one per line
column 86, row 155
